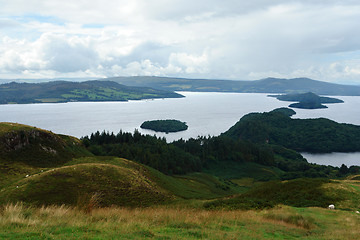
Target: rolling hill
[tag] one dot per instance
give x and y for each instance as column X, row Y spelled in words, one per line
column 267, row 85
column 42, row 168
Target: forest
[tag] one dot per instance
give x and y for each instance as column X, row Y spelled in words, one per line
column 303, row 135
column 196, row 155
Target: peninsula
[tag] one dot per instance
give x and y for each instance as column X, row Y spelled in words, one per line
column 64, row 91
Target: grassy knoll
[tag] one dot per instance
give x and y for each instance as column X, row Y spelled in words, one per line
column 110, row 181
column 100, row 184
column 20, row 222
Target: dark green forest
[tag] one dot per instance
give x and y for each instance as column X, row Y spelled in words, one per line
column 196, row 155
column 303, row 135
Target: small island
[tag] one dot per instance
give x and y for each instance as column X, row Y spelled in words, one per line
column 165, row 125
column 306, row 100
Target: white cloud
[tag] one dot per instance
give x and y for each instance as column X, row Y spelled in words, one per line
column 208, row 39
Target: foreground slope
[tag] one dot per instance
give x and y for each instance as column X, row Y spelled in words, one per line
column 21, row 222
column 88, row 183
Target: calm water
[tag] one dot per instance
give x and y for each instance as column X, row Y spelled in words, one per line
column 205, row 114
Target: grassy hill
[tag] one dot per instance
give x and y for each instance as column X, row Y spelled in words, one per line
column 40, row 167
column 63, row 91
column 267, row 85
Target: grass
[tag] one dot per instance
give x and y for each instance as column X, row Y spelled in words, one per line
column 20, row 222
column 80, row 183
column 298, row 193
column 191, row 186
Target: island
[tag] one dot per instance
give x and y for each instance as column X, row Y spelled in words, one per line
column 65, row 91
column 306, row 100
column 167, row 126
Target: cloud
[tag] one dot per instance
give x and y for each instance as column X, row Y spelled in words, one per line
column 207, row 39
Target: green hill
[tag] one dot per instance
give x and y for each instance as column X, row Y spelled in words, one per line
column 37, row 147
column 39, row 167
column 62, row 91
column 307, row 135
column 104, row 184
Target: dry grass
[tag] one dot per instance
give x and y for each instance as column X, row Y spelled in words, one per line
column 61, row 222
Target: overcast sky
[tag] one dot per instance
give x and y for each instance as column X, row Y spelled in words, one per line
column 227, row 39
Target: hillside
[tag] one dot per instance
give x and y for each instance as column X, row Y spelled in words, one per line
column 40, row 167
column 267, row 85
column 304, row 135
column 62, row 91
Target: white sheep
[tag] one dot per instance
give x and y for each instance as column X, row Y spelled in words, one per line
column 331, row 206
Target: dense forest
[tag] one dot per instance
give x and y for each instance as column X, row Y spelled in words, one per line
column 303, row 135
column 194, row 155
column 166, row 126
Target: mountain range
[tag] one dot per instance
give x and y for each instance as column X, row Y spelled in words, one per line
column 267, row 85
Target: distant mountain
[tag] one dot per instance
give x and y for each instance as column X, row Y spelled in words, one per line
column 63, row 91
column 267, row 85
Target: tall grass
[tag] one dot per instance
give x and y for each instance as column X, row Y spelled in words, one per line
column 18, row 221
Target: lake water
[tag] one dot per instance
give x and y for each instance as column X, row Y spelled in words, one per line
column 205, row 113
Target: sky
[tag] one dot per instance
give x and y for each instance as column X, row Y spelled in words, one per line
column 212, row 39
